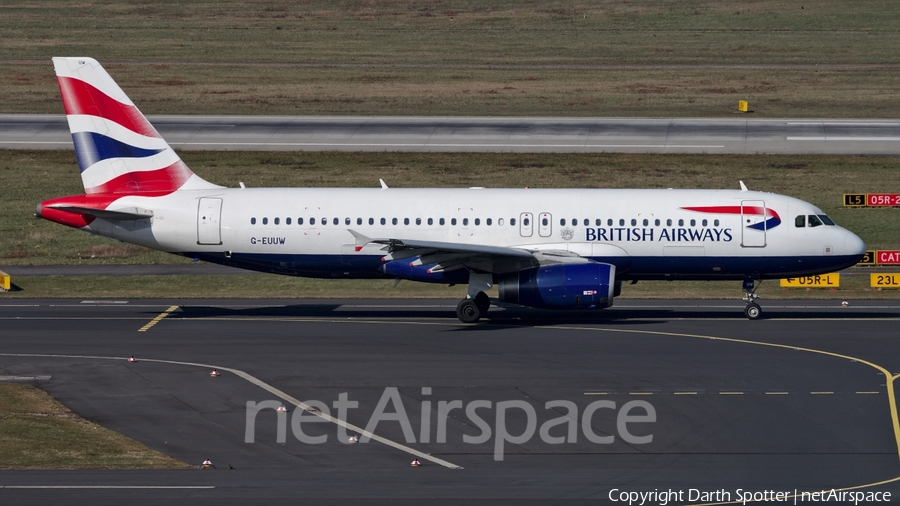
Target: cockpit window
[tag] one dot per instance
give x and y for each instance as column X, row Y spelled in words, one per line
column 826, row 220
column 814, row 220
column 800, row 221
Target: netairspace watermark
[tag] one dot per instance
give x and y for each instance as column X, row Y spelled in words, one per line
column 562, row 429
column 796, row 496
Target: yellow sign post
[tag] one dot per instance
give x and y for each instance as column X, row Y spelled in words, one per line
column 743, row 106
column 832, row 280
column 891, row 280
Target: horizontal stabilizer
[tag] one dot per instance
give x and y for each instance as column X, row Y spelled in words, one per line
column 109, row 214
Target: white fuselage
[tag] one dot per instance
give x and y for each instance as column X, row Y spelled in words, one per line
column 648, row 234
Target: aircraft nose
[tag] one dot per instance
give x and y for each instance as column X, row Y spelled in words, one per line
column 853, row 245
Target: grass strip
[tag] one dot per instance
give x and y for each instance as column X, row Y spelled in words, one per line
column 38, row 432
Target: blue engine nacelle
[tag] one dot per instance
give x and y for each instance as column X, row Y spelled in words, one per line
column 565, row 286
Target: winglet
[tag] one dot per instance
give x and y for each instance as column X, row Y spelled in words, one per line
column 384, row 185
column 743, row 186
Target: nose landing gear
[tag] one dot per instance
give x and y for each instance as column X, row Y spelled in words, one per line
column 753, row 311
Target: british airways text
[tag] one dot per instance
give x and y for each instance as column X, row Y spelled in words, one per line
column 633, row 234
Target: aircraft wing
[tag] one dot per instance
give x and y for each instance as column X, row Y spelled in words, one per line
column 448, row 256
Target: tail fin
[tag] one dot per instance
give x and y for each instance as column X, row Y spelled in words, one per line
column 118, row 150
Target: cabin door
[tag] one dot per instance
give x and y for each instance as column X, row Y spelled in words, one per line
column 753, row 223
column 209, row 216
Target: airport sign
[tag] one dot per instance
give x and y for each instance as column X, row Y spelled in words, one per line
column 887, row 256
column 872, row 200
column 832, row 280
column 891, row 280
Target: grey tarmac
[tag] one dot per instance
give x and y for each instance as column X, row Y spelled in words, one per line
column 798, row 400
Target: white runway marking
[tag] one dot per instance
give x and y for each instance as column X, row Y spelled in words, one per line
column 830, row 138
column 265, row 386
column 112, row 487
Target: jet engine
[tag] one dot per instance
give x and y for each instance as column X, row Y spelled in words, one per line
column 563, row 286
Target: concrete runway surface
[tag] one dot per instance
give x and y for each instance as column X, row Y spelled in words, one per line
column 798, row 401
column 741, row 134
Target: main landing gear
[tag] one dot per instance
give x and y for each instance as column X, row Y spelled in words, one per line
column 471, row 310
column 752, row 311
column 476, row 303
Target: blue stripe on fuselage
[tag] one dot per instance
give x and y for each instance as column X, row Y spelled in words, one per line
column 627, row 268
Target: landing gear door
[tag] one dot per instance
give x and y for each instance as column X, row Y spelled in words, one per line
column 753, row 223
column 526, row 224
column 209, row 216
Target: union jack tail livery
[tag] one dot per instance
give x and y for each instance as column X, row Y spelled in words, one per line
column 118, row 150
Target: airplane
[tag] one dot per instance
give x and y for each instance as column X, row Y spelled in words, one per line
column 542, row 248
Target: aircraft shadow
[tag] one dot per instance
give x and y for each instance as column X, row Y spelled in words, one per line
column 519, row 316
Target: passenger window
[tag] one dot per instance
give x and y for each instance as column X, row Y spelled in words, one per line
column 277, row 221
column 253, row 221
column 394, row 221
column 716, row 223
column 545, row 222
column 704, row 223
column 265, row 221
column 383, row 221
column 371, row 221
column 609, row 222
column 359, row 221
column 465, row 222
column 680, row 223
column 525, row 221
column 646, row 222
column 477, row 221
column 693, row 223
column 418, row 221
column 453, row 221
column 487, row 222
column 299, row 221
column 656, row 222
column 814, row 220
column 287, row 221
column 800, row 221
column 336, row 221
column 621, row 222
column 512, row 222
column 633, row 222
column 431, row 221
column 346, row 221
column 598, row 222
column 587, row 222
column 562, row 222
column 441, row 222
column 323, row 221
column 406, row 221
column 668, row 223
column 499, row 222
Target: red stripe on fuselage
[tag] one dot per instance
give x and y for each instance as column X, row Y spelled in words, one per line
column 762, row 211
column 80, row 97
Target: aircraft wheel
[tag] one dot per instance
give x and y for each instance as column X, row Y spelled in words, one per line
column 753, row 311
column 483, row 302
column 467, row 311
